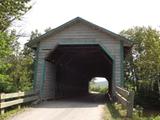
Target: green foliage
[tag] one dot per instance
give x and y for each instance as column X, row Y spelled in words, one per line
column 11, row 10
column 13, row 64
column 142, row 66
column 98, row 89
column 6, row 41
column 35, row 34
column 118, row 112
column 47, row 29
column 21, row 71
column 11, row 113
column 138, row 115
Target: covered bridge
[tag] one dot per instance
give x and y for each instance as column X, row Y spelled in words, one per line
column 69, row 56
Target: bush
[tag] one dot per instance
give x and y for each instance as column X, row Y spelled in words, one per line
column 98, row 89
column 117, row 112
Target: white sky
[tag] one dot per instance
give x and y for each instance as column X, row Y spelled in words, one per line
column 114, row 15
column 100, row 79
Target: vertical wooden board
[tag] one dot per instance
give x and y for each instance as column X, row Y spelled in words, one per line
column 49, row 84
column 2, row 111
column 131, row 104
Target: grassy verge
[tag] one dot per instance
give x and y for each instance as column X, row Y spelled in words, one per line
column 117, row 112
column 111, row 112
column 11, row 113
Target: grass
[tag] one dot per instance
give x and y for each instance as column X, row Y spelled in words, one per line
column 117, row 112
column 10, row 113
column 113, row 112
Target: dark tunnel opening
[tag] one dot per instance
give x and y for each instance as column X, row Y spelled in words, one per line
column 76, row 65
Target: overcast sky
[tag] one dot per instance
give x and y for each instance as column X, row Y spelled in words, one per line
column 114, row 15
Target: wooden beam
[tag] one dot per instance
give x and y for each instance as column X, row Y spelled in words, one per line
column 122, row 92
column 14, row 95
column 122, row 100
column 126, row 99
column 18, row 101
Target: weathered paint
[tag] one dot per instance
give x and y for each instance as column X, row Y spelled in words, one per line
column 122, row 62
column 79, row 42
column 35, row 67
column 43, row 78
column 113, row 76
column 107, row 51
column 73, row 22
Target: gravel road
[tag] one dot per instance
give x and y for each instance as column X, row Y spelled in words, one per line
column 82, row 108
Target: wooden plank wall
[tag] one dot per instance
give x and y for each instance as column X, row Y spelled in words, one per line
column 79, row 33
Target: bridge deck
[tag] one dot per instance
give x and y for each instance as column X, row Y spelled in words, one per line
column 81, row 108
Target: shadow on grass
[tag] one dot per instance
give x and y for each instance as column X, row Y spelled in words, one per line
column 113, row 111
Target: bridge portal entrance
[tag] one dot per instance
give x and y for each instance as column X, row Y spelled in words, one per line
column 76, row 65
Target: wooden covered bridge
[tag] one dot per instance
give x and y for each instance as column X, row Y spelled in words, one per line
column 69, row 56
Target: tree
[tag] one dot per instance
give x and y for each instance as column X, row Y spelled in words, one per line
column 6, row 41
column 34, row 34
column 11, row 10
column 21, row 71
column 47, row 29
column 143, row 64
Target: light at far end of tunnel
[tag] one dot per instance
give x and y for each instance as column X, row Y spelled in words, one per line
column 101, row 81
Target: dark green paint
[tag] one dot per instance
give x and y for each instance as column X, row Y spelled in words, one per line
column 122, row 62
column 43, row 77
column 35, row 68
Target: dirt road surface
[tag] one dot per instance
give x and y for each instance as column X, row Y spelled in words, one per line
column 82, row 108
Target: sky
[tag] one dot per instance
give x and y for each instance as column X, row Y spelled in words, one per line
column 114, row 15
column 100, row 79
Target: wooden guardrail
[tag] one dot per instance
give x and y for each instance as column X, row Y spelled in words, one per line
column 126, row 98
column 11, row 99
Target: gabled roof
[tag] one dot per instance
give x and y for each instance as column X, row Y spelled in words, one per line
column 72, row 22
